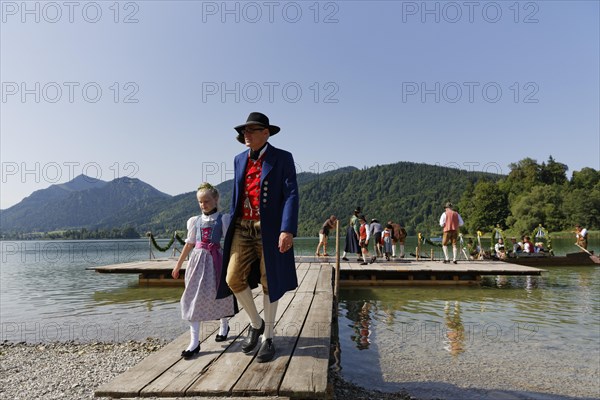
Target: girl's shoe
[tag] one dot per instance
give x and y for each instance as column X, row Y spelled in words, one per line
column 222, row 338
column 187, row 354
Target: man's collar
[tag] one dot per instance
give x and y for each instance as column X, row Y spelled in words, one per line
column 255, row 155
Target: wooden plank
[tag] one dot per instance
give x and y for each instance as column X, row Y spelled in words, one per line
column 181, row 376
column 416, row 282
column 306, row 375
column 310, row 280
column 131, row 382
column 175, row 380
column 134, row 380
column 222, row 375
column 265, row 378
column 325, row 281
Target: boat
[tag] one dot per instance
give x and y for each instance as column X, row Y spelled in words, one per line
column 547, row 260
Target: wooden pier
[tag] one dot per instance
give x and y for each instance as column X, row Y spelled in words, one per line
column 380, row 273
column 302, row 332
column 299, row 369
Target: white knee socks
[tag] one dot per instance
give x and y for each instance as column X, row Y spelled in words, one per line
column 445, row 248
column 194, row 335
column 454, row 252
column 270, row 311
column 245, row 299
column 224, row 326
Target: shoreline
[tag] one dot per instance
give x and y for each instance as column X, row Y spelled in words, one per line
column 73, row 370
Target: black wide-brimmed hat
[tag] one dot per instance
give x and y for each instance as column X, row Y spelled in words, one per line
column 256, row 118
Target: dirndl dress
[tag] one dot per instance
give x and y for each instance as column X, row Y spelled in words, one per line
column 387, row 242
column 202, row 275
column 352, row 245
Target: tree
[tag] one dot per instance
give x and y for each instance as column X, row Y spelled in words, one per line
column 587, row 178
column 582, row 206
column 553, row 172
column 489, row 207
column 523, row 174
column 541, row 205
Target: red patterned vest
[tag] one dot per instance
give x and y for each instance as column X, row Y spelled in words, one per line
column 251, row 195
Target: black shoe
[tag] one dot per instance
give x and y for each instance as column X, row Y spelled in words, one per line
column 252, row 338
column 454, row 262
column 364, row 263
column 359, row 259
column 373, row 259
column 446, row 261
column 222, row 338
column 345, row 258
column 187, row 354
column 266, row 351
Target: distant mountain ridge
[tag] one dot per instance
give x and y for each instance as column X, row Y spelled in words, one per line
column 407, row 192
column 81, row 202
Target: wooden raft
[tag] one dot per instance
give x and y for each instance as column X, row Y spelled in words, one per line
column 299, row 369
column 381, row 273
column 151, row 272
column 411, row 272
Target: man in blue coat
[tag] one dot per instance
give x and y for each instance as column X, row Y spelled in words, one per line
column 258, row 243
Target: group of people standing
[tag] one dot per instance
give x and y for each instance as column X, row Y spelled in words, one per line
column 359, row 234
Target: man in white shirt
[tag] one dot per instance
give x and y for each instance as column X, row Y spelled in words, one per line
column 450, row 221
column 581, row 235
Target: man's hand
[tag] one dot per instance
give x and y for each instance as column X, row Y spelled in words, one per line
column 286, row 241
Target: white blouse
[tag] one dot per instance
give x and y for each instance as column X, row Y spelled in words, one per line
column 191, row 225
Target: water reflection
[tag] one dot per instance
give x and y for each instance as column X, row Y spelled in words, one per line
column 361, row 324
column 455, row 330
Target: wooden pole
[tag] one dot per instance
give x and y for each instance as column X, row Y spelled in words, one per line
column 337, row 258
column 150, row 247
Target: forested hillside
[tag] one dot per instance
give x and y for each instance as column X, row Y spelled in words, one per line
column 409, row 193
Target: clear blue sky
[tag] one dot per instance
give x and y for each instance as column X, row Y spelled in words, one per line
column 475, row 85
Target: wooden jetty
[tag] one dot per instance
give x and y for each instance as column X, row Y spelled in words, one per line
column 380, row 273
column 299, row 369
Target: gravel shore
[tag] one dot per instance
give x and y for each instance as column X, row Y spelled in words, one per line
column 69, row 370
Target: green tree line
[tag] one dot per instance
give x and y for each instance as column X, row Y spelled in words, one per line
column 77, row 234
column 533, row 194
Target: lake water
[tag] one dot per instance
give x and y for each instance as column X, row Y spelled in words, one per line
column 527, row 322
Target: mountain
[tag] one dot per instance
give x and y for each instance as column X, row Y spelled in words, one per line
column 82, row 202
column 405, row 192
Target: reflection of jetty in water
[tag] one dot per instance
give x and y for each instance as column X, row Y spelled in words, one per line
column 361, row 323
column 150, row 296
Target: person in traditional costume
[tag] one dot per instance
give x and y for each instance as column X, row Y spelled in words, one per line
column 450, row 221
column 203, row 271
column 258, row 244
column 352, row 232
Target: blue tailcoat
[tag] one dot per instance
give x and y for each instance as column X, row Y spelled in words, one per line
column 278, row 213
